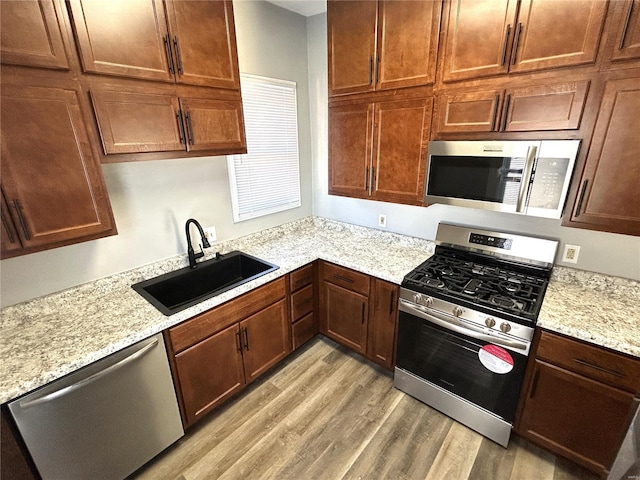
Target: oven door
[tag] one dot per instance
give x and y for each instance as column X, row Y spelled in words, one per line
column 486, row 370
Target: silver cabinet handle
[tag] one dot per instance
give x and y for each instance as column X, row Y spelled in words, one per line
column 525, row 182
column 92, row 378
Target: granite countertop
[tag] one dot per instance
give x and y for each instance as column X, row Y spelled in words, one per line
column 596, row 308
column 51, row 336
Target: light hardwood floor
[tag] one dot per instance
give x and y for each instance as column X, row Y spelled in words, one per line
column 326, row 413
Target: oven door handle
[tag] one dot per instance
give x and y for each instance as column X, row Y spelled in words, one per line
column 466, row 329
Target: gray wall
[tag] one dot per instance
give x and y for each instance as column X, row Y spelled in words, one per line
column 152, row 200
column 608, row 253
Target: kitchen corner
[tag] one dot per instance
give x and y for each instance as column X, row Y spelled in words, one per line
column 49, row 337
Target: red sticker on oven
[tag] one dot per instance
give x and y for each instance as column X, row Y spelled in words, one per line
column 496, row 359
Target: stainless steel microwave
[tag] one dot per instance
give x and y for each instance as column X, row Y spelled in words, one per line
column 525, row 177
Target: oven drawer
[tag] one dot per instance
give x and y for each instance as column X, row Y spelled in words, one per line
column 593, row 362
column 346, row 278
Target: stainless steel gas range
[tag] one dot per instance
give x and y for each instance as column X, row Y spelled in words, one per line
column 467, row 318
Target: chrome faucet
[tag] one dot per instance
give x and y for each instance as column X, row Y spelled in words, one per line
column 205, row 243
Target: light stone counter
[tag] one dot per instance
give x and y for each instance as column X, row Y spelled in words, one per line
column 49, row 337
column 596, row 308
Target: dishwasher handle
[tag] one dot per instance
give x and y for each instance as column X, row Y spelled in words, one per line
column 141, row 351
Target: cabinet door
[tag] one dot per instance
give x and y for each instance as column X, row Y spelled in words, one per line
column 478, row 38
column 575, row 417
column 627, row 30
column 31, row 35
column 350, row 143
column 400, row 150
column 546, row 107
column 608, row 197
column 351, row 35
column 127, row 38
column 138, row 122
column 9, row 240
column 382, row 329
column 407, row 42
column 467, row 112
column 345, row 316
column 266, row 338
column 214, row 125
column 44, row 141
column 204, row 40
column 210, row 372
column 553, row 34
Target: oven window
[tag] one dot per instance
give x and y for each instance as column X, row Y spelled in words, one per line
column 451, row 361
column 489, row 179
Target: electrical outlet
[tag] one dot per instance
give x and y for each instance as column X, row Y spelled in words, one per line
column 571, row 253
column 210, row 234
column 382, row 220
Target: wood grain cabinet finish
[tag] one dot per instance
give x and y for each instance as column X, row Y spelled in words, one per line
column 44, row 140
column 303, row 305
column 184, row 42
column 539, row 35
column 556, row 106
column 569, row 409
column 378, row 150
column 214, row 355
column 625, row 36
column 382, row 323
column 380, row 45
column 607, row 195
column 31, row 34
column 213, row 125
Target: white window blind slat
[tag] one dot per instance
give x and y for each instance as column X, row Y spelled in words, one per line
column 267, row 179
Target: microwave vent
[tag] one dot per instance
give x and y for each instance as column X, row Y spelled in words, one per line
column 492, row 148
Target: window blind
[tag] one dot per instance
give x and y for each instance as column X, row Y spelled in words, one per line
column 267, row 179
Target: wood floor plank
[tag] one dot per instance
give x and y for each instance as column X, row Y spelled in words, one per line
column 326, row 413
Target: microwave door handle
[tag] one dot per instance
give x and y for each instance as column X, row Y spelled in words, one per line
column 525, row 181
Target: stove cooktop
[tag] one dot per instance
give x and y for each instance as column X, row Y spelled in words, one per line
column 481, row 283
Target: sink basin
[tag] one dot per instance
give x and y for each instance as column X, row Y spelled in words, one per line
column 186, row 287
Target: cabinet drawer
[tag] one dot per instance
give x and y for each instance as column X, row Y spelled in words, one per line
column 302, row 331
column 354, row 281
column 196, row 329
column 301, row 277
column 301, row 303
column 467, row 112
column 605, row 366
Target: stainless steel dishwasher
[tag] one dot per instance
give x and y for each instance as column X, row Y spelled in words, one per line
column 105, row 420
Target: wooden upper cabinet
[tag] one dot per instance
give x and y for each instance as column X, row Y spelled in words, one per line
column 381, row 45
column 204, row 43
column 543, row 34
column 607, row 197
column 401, row 137
column 350, row 147
column 127, row 38
column 50, row 176
column 188, row 42
column 625, row 43
column 408, row 42
column 478, row 38
column 351, row 35
column 131, row 122
column 467, row 111
column 213, row 125
column 552, row 34
column 31, row 34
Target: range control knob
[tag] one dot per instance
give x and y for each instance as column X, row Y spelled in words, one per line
column 417, row 298
column 490, row 322
column 505, row 327
column 457, row 311
column 428, row 302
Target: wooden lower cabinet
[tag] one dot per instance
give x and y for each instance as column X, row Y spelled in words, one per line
column 577, row 401
column 303, row 301
column 359, row 312
column 214, row 355
column 210, row 372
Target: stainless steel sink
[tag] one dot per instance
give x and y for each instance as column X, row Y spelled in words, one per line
column 186, row 287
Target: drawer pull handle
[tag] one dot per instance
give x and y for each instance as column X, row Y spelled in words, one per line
column 344, row 279
column 601, row 369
